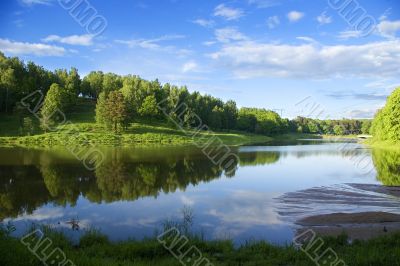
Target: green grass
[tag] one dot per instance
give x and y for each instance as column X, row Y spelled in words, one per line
column 95, row 249
column 136, row 134
column 83, row 131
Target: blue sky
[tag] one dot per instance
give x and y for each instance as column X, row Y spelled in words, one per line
column 300, row 57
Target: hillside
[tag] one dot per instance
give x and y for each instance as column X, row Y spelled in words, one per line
column 83, row 130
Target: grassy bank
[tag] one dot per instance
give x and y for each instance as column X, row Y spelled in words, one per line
column 136, row 134
column 82, row 130
column 96, row 249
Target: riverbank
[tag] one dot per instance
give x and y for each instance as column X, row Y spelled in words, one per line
column 82, row 130
column 137, row 134
column 95, row 249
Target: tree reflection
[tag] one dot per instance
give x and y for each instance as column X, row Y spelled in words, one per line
column 16, row 196
column 258, row 158
column 123, row 175
column 387, row 164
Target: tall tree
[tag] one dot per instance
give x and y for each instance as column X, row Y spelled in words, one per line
column 53, row 106
column 92, row 84
column 149, row 107
column 111, row 82
column 231, row 113
column 101, row 108
column 386, row 124
column 111, row 110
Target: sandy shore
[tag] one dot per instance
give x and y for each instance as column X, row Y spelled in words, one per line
column 361, row 211
column 361, row 226
column 350, row 218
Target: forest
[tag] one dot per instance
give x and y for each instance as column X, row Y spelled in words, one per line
column 121, row 100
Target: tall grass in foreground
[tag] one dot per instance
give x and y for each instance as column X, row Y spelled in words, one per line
column 94, row 248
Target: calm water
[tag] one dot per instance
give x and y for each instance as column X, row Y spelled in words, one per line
column 135, row 190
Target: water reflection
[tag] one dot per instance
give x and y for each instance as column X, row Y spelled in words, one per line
column 135, row 189
column 30, row 178
column 387, row 164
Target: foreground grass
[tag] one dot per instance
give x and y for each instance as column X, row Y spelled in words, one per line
column 96, row 249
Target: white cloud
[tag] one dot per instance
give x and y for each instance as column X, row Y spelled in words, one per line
column 152, row 44
column 226, row 35
column 295, row 16
column 254, row 59
column 388, row 29
column 186, row 201
column 209, row 43
column 189, row 66
column 385, row 14
column 273, row 21
column 350, row 34
column 24, row 48
column 386, row 85
column 228, row 13
column 207, row 23
column 306, row 39
column 156, row 44
column 84, row 40
column 362, row 113
column 324, row 19
column 264, row 3
column 35, row 2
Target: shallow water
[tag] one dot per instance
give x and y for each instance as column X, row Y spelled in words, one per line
column 134, row 190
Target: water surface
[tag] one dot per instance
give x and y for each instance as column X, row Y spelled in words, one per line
column 134, row 190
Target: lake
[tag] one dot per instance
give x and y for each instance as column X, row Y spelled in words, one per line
column 135, row 190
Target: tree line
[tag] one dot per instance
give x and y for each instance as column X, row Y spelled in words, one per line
column 386, row 124
column 332, row 127
column 123, row 99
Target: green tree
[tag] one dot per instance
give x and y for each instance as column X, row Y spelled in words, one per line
column 53, row 107
column 366, row 126
column 313, row 127
column 246, row 121
column 338, row 130
column 231, row 114
column 149, row 107
column 101, row 108
column 131, row 89
column 112, row 110
column 111, row 82
column 386, row 124
column 216, row 117
column 92, row 84
column 7, row 86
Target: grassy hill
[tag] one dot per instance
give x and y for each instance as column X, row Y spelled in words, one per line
column 81, row 129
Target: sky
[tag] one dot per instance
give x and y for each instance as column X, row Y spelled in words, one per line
column 323, row 58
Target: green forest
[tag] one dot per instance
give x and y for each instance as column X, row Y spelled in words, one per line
column 113, row 102
column 386, row 124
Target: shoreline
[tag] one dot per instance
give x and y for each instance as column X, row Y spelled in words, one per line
column 133, row 139
column 95, row 248
column 357, row 225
